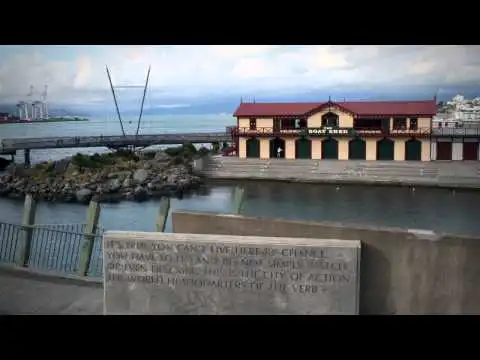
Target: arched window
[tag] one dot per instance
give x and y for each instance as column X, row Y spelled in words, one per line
column 330, row 119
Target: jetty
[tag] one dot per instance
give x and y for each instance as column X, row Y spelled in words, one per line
column 11, row 146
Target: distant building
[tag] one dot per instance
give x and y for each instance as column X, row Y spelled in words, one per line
column 4, row 116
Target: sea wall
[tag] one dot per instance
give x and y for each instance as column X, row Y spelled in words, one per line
column 402, row 271
column 454, row 174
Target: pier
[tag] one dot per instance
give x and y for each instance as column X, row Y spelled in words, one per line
column 11, row 146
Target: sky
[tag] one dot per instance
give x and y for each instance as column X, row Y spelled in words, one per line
column 181, row 74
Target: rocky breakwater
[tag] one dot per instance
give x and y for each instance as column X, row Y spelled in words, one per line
column 107, row 177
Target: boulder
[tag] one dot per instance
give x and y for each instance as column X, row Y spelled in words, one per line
column 119, row 175
column 140, row 176
column 114, row 185
column 127, row 183
column 161, row 157
column 83, row 195
column 140, row 193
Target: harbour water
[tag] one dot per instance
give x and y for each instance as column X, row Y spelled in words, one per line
column 433, row 209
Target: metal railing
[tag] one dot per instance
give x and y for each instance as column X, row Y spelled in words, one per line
column 53, row 247
column 461, row 131
column 98, row 141
column 270, row 131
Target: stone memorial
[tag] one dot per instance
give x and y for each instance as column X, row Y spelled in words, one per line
column 160, row 273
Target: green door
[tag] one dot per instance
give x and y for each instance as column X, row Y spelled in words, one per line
column 330, row 149
column 385, row 149
column 413, row 150
column 357, row 149
column 253, row 148
column 303, row 150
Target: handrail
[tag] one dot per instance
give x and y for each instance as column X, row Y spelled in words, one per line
column 80, row 141
column 373, row 131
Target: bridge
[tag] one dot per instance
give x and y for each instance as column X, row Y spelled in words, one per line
column 10, row 146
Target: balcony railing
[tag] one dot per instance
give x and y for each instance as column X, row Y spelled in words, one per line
column 337, row 132
column 460, row 132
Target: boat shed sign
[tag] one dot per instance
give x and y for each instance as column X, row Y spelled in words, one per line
column 328, row 131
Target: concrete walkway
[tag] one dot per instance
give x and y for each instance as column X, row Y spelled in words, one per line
column 25, row 292
column 449, row 174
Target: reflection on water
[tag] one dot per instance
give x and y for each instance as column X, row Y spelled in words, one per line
column 435, row 209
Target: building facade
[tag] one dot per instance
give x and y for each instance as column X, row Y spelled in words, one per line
column 459, row 143
column 381, row 130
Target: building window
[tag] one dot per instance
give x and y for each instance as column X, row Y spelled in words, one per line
column 399, row 124
column 330, row 120
column 253, row 124
column 413, row 124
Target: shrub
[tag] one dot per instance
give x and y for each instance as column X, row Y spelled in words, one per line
column 94, row 161
column 149, row 155
column 177, row 160
column 203, row 151
column 174, row 151
column 126, row 154
column 216, row 147
column 189, row 147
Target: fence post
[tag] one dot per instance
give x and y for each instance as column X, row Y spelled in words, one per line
column 86, row 250
column 237, row 199
column 163, row 214
column 24, row 245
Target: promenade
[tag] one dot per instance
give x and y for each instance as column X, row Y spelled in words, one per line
column 23, row 292
column 446, row 174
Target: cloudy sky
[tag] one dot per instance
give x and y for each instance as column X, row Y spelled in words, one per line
column 180, row 74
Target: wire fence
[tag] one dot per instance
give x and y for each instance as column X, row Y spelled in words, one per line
column 53, row 248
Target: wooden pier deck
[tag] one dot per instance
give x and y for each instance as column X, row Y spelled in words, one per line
column 9, row 146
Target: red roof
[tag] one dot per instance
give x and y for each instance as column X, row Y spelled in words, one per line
column 360, row 108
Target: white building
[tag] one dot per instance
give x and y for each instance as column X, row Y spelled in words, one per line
column 465, row 112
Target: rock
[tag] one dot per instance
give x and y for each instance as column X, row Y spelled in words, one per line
column 107, row 198
column 84, row 195
column 129, row 195
column 69, row 197
column 119, row 175
column 161, row 157
column 4, row 163
column 140, row 193
column 114, row 185
column 147, row 165
column 5, row 189
column 140, row 176
column 127, row 183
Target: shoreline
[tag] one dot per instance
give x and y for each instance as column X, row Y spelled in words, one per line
column 54, row 120
column 107, row 177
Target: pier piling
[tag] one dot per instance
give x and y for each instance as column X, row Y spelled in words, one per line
column 93, row 216
column 26, row 155
column 163, row 214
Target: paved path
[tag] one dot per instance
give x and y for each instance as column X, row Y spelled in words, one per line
column 23, row 292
